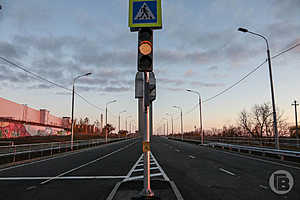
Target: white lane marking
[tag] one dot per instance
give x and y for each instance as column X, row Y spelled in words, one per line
column 142, row 169
column 61, row 156
column 134, row 166
column 264, row 187
column 160, row 169
column 227, row 172
column 257, row 159
column 60, row 178
column 177, row 150
column 142, row 176
column 31, row 187
column 192, row 157
column 88, row 163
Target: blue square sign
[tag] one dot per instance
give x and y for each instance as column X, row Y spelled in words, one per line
column 144, row 12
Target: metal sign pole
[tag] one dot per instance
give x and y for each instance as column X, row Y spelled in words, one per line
column 147, row 189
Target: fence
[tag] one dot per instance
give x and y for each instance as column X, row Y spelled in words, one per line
column 13, row 153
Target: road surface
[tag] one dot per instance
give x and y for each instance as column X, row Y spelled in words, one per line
column 198, row 172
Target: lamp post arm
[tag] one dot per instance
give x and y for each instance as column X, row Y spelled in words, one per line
column 261, row 37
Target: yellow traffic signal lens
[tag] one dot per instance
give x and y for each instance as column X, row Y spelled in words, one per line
column 145, row 48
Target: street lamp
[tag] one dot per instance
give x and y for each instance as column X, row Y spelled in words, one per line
column 113, row 101
column 200, row 111
column 271, row 83
column 171, row 120
column 120, row 119
column 178, row 107
column 167, row 126
column 72, row 121
column 126, row 121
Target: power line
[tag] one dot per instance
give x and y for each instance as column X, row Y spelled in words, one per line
column 236, row 83
column 243, row 78
column 23, row 68
column 248, row 74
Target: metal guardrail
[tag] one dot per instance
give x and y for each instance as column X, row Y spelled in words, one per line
column 262, row 150
column 258, row 149
column 14, row 150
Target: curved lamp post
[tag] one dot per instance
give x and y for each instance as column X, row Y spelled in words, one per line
column 72, row 120
column 200, row 111
column 271, row 83
column 113, row 101
column 178, row 107
column 120, row 119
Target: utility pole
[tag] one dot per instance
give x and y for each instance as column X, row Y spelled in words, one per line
column 296, row 120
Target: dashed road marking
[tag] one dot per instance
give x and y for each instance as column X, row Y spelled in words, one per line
column 226, row 171
column 264, row 187
column 177, row 150
column 192, row 157
column 31, row 187
column 86, row 164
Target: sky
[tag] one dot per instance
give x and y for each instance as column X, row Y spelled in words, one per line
column 198, row 48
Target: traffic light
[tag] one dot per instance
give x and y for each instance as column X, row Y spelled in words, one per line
column 145, row 50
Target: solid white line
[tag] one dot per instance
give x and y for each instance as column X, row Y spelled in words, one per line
column 74, row 169
column 60, row 178
column 139, row 170
column 134, row 166
column 228, row 172
column 61, row 156
column 177, row 150
column 257, row 159
column 142, row 176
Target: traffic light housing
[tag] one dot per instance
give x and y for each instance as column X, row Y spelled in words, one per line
column 145, row 50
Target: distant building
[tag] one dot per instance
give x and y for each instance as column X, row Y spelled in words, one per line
column 17, row 120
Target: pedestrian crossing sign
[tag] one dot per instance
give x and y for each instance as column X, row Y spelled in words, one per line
column 145, row 13
column 146, row 146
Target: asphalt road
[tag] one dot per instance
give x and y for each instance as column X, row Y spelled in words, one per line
column 198, row 172
column 112, row 160
column 205, row 173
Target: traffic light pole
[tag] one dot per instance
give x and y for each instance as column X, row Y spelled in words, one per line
column 147, row 189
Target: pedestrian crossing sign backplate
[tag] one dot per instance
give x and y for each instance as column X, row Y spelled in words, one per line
column 145, row 13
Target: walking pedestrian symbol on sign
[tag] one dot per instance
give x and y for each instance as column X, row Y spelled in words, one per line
column 144, row 13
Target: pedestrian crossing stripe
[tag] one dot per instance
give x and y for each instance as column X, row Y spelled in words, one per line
column 144, row 13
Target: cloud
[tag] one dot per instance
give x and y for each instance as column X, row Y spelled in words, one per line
column 40, row 86
column 9, row 50
column 213, row 68
column 202, row 84
column 189, row 73
column 171, row 81
column 173, row 89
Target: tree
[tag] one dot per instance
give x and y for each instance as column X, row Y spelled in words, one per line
column 86, row 121
column 259, row 122
column 109, row 129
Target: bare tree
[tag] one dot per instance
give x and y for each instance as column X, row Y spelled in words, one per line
column 246, row 123
column 259, row 122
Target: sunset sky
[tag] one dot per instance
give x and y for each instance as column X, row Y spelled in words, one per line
column 198, row 48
